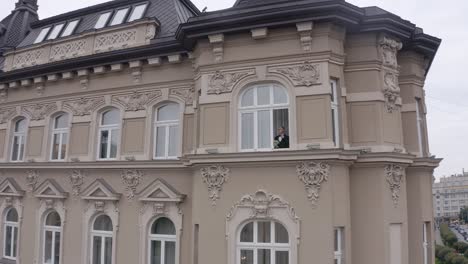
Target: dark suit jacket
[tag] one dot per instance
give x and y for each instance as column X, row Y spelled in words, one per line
column 284, row 143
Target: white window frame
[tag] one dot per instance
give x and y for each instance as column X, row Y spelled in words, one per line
column 419, row 121
column 102, row 235
column 61, row 132
column 255, row 245
column 131, row 18
column 106, row 20
column 167, row 127
column 70, row 28
column 338, row 253
column 426, row 226
column 335, row 112
column 56, row 30
column 124, row 18
column 110, row 128
column 15, row 230
column 257, row 108
column 54, row 230
column 42, row 35
column 22, row 141
column 163, row 239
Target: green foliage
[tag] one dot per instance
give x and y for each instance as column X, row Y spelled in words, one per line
column 447, row 235
column 460, row 247
column 449, row 257
column 464, row 214
column 443, row 252
column 458, row 259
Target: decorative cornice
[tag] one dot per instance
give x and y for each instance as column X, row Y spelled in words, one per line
column 131, row 179
column 313, row 175
column 306, row 74
column 214, row 177
column 394, row 174
column 223, row 82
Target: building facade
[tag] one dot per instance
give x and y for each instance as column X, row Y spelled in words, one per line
column 280, row 132
column 450, row 195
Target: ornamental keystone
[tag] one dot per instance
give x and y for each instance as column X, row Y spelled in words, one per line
column 214, row 177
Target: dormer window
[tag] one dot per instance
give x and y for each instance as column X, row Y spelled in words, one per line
column 137, row 12
column 119, row 17
column 56, row 31
column 42, row 35
column 102, row 21
column 71, row 26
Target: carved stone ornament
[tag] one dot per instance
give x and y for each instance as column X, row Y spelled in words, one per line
column 185, row 94
column 391, row 91
column 215, row 177
column 307, row 74
column 77, row 179
column 3, row 95
column 222, row 82
column 39, row 111
column 389, row 49
column 32, row 177
column 261, row 203
column 131, row 179
column 83, row 106
column 6, row 114
column 313, row 175
column 137, row 101
column 394, row 174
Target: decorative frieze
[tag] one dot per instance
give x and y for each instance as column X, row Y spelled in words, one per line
column 394, row 174
column 186, row 94
column 32, row 178
column 115, row 40
column 131, row 179
column 39, row 111
column 28, row 59
column 305, row 74
column 313, row 175
column 84, row 106
column 389, row 49
column 137, row 100
column 77, row 180
column 214, row 177
column 6, row 114
column 223, row 82
column 69, row 50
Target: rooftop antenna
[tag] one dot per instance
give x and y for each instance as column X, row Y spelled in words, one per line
column 204, row 9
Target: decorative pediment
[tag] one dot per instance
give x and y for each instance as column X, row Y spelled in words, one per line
column 50, row 189
column 10, row 188
column 160, row 191
column 100, row 190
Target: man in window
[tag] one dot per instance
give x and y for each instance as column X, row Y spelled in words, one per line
column 281, row 140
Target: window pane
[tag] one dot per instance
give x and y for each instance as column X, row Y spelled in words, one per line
column 20, row 125
column 264, row 256
column 173, row 141
column 168, row 112
column 281, row 122
column 336, row 240
column 102, row 21
column 279, row 95
column 97, row 245
column 264, row 232
column 104, row 142
column 48, row 247
column 137, row 12
column 248, row 98
column 15, row 239
column 108, row 251
column 264, row 129
column 247, row 233
column 114, row 143
column 163, row 226
column 55, row 147
column 247, row 134
column 21, row 148
column 161, row 142
column 8, row 237
column 53, row 219
column 169, row 253
column 12, row 215
column 61, row 121
column 55, row 32
column 103, row 223
column 14, row 154
column 247, row 257
column 42, row 35
column 155, row 252
column 282, row 257
column 281, row 234
column 263, row 95
column 119, row 17
column 57, row 248
column 111, row 117
column 70, row 28
column 63, row 150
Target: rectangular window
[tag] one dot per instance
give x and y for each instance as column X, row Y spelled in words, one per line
column 396, row 254
column 59, row 145
column 18, row 148
column 335, row 112
column 56, row 31
column 419, row 123
column 109, row 143
column 426, row 229
column 339, row 246
column 119, row 17
column 70, row 29
column 42, row 35
column 137, row 12
column 102, row 21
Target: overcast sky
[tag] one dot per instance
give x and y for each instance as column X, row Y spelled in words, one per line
column 446, row 88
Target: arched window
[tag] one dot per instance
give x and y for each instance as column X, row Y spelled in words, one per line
column 167, row 131
column 263, row 242
column 264, row 118
column 109, row 134
column 162, row 239
column 60, row 130
column 101, row 240
column 19, row 139
column 52, row 238
column 11, row 234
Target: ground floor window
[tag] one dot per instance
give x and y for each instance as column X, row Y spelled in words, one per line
column 102, row 239
column 162, row 240
column 11, row 234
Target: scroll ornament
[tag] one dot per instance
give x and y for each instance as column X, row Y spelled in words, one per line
column 306, row 74
column 222, row 82
column 313, row 175
column 131, row 179
column 215, row 177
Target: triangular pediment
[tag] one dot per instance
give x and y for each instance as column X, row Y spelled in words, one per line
column 100, row 190
column 160, row 191
column 50, row 189
column 9, row 187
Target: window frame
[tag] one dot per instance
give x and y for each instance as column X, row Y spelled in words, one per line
column 124, row 19
column 61, row 25
column 102, row 234
column 61, row 132
column 167, row 125
column 338, row 253
column 128, row 20
column 109, row 128
column 257, row 108
column 78, row 20
column 106, row 22
column 163, row 239
column 44, row 37
column 54, row 230
column 335, row 108
column 419, row 124
column 23, row 137
column 15, row 230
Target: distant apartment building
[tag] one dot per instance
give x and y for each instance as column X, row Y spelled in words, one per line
column 450, row 195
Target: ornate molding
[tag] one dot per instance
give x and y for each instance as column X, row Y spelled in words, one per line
column 137, row 101
column 28, row 59
column 3, row 95
column 84, row 106
column 186, row 94
column 391, row 91
column 32, row 178
column 306, row 74
column 223, row 82
column 217, row 44
column 77, row 180
column 305, row 33
column 6, row 114
column 115, row 40
column 388, row 51
column 69, row 50
column 214, row 177
column 394, row 174
column 313, row 175
column 39, row 111
column 131, row 179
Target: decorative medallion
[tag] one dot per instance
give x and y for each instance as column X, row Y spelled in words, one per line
column 214, row 177
column 137, row 101
column 389, row 49
column 394, row 174
column 307, row 74
column 32, row 178
column 313, row 175
column 39, row 111
column 77, row 179
column 224, row 82
column 131, row 179
column 84, row 106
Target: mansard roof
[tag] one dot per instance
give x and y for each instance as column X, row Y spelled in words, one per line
column 16, row 26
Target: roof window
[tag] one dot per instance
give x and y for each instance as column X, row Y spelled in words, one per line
column 71, row 26
column 102, row 21
column 42, row 35
column 55, row 31
column 137, row 12
column 119, row 16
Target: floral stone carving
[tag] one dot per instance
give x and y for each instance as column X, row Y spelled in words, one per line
column 32, row 178
column 131, row 179
column 394, row 174
column 77, row 180
column 224, row 82
column 215, row 177
column 6, row 114
column 313, row 175
column 307, row 74
column 389, row 49
column 137, row 101
column 39, row 111
column 84, row 106
column 185, row 94
column 391, row 91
